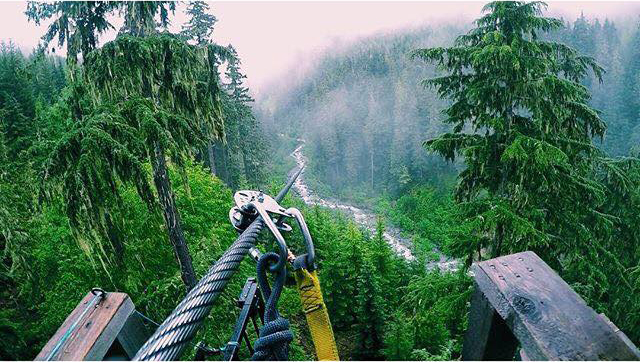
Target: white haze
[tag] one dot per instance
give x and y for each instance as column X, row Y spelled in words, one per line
column 279, row 39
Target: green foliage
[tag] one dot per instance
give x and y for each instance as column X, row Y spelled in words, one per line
column 76, row 23
column 432, row 218
column 369, row 309
column 25, row 84
column 59, row 275
column 532, row 162
column 399, row 338
column 137, row 100
column 521, row 115
column 533, row 178
column 615, row 47
column 140, row 18
column 238, row 156
column 80, row 23
column 200, row 25
column 375, row 298
column 91, row 149
column 176, row 77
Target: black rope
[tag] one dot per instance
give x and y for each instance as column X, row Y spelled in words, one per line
column 275, row 336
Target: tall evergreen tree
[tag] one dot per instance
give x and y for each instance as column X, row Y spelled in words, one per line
column 245, row 139
column 141, row 98
column 533, row 178
column 236, row 87
column 530, row 154
column 200, row 26
column 369, row 308
column 199, row 30
column 629, row 92
column 16, row 100
column 140, row 17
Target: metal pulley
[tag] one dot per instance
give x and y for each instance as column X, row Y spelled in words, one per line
column 251, row 204
column 243, row 214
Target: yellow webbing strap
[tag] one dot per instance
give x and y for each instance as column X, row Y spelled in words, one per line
column 317, row 317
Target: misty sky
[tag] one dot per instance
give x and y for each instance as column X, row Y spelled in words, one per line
column 274, row 37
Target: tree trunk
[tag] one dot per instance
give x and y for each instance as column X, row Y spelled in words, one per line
column 225, row 156
column 172, row 218
column 498, row 239
column 371, row 169
column 212, row 159
column 114, row 239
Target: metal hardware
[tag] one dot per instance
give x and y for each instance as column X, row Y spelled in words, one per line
column 308, row 241
column 252, row 307
column 255, row 253
column 172, row 336
column 202, row 351
column 241, row 220
column 251, row 204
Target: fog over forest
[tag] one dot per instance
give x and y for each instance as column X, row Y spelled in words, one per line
column 432, row 142
column 365, row 113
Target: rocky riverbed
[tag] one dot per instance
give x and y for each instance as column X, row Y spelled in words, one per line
column 365, row 218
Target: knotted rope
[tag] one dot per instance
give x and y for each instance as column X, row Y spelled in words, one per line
column 275, row 336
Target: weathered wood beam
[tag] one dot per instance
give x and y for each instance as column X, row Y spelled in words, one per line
column 109, row 328
column 541, row 312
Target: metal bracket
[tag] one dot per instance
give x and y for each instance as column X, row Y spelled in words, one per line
column 243, row 213
column 251, row 307
column 308, row 241
column 250, row 204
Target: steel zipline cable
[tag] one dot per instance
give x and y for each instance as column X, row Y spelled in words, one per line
column 173, row 335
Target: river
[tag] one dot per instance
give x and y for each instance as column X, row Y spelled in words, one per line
column 366, row 219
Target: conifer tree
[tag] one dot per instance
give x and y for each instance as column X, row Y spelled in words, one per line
column 16, row 100
column 199, row 30
column 201, row 24
column 141, row 98
column 245, row 139
column 153, row 101
column 398, row 338
column 76, row 23
column 529, row 155
column 629, row 93
column 370, row 313
column 236, row 87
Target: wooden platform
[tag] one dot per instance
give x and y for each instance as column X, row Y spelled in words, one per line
column 110, row 329
column 519, row 301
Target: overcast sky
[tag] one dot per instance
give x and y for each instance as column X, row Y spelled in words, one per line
column 274, row 37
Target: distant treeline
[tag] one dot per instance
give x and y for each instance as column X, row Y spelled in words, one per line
column 365, row 113
column 616, row 47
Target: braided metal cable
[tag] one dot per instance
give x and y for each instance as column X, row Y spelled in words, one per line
column 172, row 336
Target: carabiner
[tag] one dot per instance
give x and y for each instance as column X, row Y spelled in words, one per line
column 250, row 204
column 308, row 241
column 282, row 244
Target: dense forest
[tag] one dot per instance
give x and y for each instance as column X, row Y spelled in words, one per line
column 364, row 111
column 118, row 164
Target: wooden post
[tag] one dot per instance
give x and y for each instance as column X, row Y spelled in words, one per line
column 519, row 298
column 110, row 329
column 490, row 338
